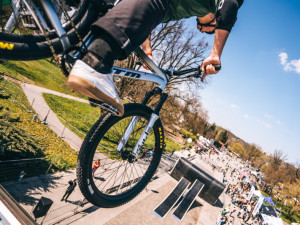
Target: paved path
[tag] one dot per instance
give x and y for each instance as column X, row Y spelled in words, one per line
column 34, row 95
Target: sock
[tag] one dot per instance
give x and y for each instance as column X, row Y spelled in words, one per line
column 102, row 53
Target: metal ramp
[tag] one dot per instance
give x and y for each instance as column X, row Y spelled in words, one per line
column 204, row 186
column 188, row 200
column 169, row 202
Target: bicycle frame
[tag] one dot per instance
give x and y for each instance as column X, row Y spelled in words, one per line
column 159, row 78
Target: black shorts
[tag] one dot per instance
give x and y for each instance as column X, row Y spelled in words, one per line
column 131, row 21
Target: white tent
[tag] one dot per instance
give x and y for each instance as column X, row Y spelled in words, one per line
column 271, row 220
column 257, row 193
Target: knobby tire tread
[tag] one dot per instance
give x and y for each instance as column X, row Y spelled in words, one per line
column 34, row 48
column 86, row 156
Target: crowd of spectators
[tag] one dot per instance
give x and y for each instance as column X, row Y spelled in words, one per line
column 238, row 186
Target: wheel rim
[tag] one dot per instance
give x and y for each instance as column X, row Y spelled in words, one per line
column 118, row 176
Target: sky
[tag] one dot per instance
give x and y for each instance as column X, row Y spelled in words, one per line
column 256, row 95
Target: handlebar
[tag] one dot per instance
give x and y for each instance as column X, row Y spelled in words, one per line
column 198, row 73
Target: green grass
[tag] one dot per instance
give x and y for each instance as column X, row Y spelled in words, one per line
column 171, row 145
column 77, row 116
column 82, row 117
column 54, row 146
column 284, row 216
column 43, row 73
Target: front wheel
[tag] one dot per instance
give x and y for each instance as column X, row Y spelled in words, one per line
column 115, row 179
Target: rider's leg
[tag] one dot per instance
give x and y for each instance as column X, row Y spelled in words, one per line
column 118, row 33
column 131, row 21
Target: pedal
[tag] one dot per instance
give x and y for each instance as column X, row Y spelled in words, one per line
column 104, row 105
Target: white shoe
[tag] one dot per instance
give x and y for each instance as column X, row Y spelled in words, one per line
column 87, row 81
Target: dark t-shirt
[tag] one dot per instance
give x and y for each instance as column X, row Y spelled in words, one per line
column 225, row 10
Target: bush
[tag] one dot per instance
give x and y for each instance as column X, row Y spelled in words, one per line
column 15, row 143
column 188, row 134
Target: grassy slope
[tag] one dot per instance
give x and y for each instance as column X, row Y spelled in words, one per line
column 54, row 145
column 46, row 74
column 82, row 117
column 73, row 113
column 43, row 73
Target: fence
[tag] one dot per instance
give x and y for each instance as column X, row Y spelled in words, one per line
column 15, row 94
column 10, row 169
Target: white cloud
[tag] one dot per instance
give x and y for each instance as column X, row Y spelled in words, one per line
column 264, row 123
column 220, row 100
column 234, row 106
column 268, row 116
column 246, row 116
column 283, row 57
column 293, row 65
column 272, row 119
column 267, row 125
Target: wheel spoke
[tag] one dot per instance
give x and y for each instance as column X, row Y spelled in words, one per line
column 121, row 176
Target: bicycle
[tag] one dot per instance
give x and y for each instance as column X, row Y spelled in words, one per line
column 117, row 141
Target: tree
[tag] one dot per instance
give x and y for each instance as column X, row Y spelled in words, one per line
column 277, row 159
column 260, row 161
column 172, row 44
column 238, row 148
column 253, row 152
column 222, row 136
column 291, row 192
column 276, row 170
column 177, row 46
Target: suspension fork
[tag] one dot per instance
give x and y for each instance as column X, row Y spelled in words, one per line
column 154, row 117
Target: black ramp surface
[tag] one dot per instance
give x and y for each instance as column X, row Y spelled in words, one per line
column 212, row 189
column 172, row 198
column 188, row 200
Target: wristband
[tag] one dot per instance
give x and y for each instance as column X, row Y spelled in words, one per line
column 149, row 53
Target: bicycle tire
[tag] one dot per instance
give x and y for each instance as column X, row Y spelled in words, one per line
column 99, row 135
column 33, row 47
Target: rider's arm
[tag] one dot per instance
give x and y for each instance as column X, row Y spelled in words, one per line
column 216, row 52
column 226, row 16
column 146, row 46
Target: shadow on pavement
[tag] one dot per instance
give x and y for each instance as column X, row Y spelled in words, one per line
column 219, row 204
column 25, row 192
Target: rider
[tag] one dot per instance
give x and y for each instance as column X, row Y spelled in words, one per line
column 129, row 24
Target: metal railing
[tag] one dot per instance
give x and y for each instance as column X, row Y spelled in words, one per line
column 10, row 170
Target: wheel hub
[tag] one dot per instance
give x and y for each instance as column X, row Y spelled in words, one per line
column 126, row 155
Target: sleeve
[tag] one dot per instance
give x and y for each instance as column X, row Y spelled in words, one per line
column 227, row 14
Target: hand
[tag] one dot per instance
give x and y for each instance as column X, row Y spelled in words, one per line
column 145, row 66
column 207, row 65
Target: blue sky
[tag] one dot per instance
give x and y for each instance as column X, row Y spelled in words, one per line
column 257, row 93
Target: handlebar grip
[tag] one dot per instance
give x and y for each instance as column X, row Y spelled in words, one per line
column 217, row 67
